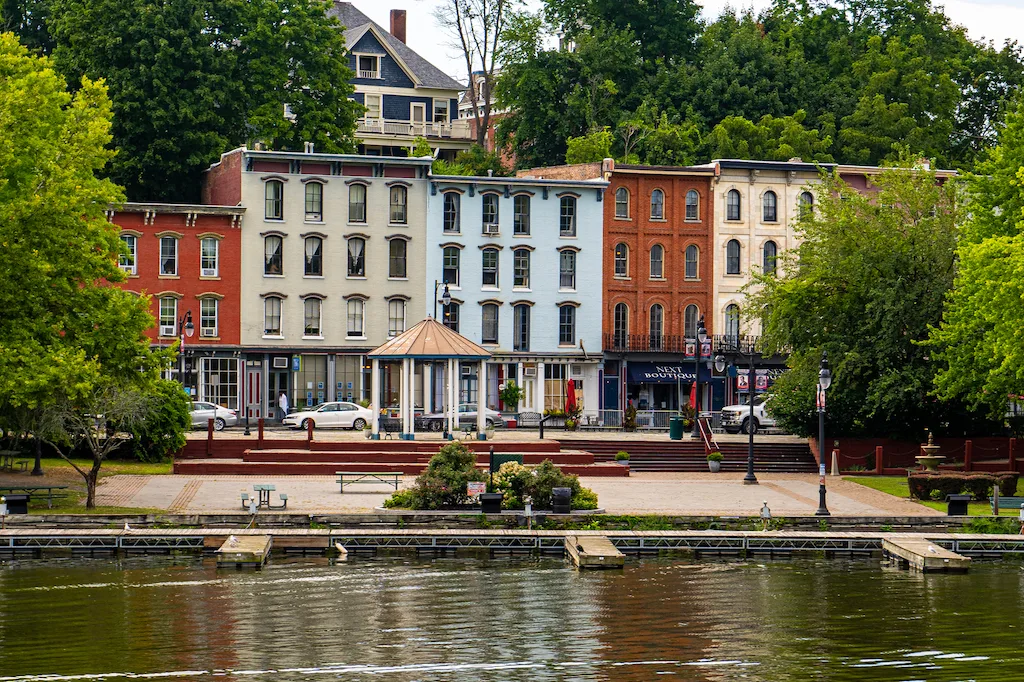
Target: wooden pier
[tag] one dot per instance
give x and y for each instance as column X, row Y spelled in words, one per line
column 922, row 554
column 245, row 551
column 593, row 551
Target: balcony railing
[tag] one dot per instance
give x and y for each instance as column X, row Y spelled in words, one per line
column 368, row 74
column 652, row 343
column 455, row 130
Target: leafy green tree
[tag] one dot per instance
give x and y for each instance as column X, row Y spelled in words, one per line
column 865, row 284
column 162, row 432
column 770, row 139
column 671, row 144
column 595, row 146
column 978, row 341
column 27, row 19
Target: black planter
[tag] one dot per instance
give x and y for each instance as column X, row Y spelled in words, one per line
column 490, row 503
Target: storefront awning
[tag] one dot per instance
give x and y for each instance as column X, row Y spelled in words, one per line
column 664, row 373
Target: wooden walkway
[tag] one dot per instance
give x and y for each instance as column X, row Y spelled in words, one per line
column 922, row 554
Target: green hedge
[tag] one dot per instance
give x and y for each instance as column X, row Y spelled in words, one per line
column 925, row 485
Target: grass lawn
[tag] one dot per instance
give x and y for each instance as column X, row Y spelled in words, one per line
column 57, row 471
column 897, row 486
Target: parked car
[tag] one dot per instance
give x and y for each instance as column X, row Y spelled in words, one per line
column 736, row 418
column 331, row 415
column 467, row 417
column 221, row 416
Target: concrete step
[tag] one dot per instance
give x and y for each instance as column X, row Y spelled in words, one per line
column 326, row 456
column 238, row 467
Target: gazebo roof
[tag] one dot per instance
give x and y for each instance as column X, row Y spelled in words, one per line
column 429, row 339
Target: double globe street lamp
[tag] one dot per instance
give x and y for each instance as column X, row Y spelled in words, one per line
column 720, row 363
column 185, row 329
column 446, row 297
column 702, row 336
column 824, row 381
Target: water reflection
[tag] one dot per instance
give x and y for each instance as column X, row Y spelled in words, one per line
column 506, row 619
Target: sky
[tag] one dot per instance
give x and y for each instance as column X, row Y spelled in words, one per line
column 995, row 20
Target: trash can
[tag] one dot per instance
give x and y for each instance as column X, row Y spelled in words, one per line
column 490, row 503
column 956, row 505
column 675, row 428
column 560, row 500
column 17, row 504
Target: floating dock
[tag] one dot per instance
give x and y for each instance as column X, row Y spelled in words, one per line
column 593, row 552
column 924, row 555
column 245, row 551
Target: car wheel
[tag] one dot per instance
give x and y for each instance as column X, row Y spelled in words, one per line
column 749, row 426
column 359, row 424
column 306, row 423
column 219, row 424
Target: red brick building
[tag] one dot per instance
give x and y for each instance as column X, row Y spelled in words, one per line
column 188, row 259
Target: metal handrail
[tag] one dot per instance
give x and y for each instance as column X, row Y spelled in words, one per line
column 710, row 444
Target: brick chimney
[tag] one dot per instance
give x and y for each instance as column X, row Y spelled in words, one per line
column 398, row 24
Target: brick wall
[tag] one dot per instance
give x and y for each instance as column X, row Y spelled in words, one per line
column 222, row 182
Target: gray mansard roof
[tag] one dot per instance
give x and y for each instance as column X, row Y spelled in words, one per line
column 356, row 23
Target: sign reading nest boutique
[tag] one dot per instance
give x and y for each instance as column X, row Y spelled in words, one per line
column 657, row 373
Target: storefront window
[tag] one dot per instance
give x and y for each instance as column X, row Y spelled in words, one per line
column 347, row 370
column 311, row 381
column 554, row 386
column 219, row 381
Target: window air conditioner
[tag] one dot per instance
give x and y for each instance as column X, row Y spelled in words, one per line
column 209, row 272
column 314, row 217
column 529, row 371
column 466, row 371
column 167, row 330
column 490, row 228
column 208, row 331
column 576, row 371
column 280, row 363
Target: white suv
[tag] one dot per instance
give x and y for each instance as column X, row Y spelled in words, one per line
column 736, row 418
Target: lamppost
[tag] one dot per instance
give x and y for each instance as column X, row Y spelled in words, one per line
column 750, row 478
column 702, row 336
column 446, row 296
column 824, row 381
column 185, row 328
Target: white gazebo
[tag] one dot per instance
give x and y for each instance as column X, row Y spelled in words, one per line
column 430, row 341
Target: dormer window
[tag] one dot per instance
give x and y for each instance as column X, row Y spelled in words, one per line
column 369, row 66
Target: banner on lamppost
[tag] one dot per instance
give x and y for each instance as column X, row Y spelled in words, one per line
column 705, row 349
column 761, row 381
column 742, row 382
column 691, row 349
column 820, row 399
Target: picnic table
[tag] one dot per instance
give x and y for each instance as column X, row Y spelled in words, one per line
column 8, row 457
column 385, row 477
column 32, row 489
column 263, row 491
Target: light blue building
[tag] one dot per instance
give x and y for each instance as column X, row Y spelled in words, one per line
column 521, row 259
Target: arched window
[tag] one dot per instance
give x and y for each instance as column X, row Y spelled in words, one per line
column 490, row 213
column 657, row 262
column 521, row 327
column 732, row 321
column 273, row 258
column 356, row 257
column 806, row 204
column 450, row 266
column 521, row 268
column 397, row 252
column 314, row 201
column 311, row 317
column 771, row 252
column 273, row 193
column 452, row 201
column 208, row 316
column 567, row 269
column 692, row 202
column 622, row 203
column 732, row 257
column 620, row 322
column 657, row 205
column 356, row 309
column 732, row 205
column 567, row 325
column 489, row 323
column 396, row 317
column 521, row 214
column 621, row 260
column 657, row 327
column 272, row 316
column 567, row 217
column 314, row 266
column 489, row 261
column 692, row 262
column 690, row 316
column 451, row 316
column 770, row 204
column 399, row 198
column 357, row 204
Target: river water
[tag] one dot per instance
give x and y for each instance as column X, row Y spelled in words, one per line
column 528, row 619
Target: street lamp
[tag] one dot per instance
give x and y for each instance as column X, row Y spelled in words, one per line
column 750, row 478
column 824, row 381
column 446, row 296
column 702, row 336
column 185, row 329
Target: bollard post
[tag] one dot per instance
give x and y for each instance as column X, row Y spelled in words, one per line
column 968, row 455
column 259, row 436
column 878, row 460
column 309, row 434
column 209, row 438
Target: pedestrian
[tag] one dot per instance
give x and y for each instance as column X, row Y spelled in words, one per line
column 282, row 405
column 766, row 516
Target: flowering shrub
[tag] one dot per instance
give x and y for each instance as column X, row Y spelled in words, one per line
column 516, row 482
column 443, row 484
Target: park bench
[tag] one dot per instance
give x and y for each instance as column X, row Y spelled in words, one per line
column 350, row 477
column 390, row 425
column 33, row 489
column 998, row 502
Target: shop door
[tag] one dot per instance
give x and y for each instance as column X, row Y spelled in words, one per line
column 277, row 382
column 611, row 393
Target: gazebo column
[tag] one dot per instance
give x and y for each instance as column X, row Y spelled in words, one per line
column 481, row 401
column 403, row 397
column 428, row 387
column 375, row 398
column 451, row 388
column 538, row 390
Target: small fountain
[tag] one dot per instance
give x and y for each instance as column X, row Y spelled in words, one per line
column 930, row 459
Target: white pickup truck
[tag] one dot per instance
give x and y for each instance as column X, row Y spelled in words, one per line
column 736, row 418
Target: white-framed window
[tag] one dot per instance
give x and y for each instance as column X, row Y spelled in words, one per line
column 396, row 316
column 806, row 205
column 208, row 317
column 567, row 217
column 690, row 316
column 368, row 66
column 357, row 203
column 399, row 200
column 219, row 377
column 657, row 262
column 521, row 214
column 521, row 327
column 489, row 264
column 314, row 261
column 567, row 269
column 372, row 104
column 441, row 111
column 521, row 268
column 692, row 262
column 311, row 308
column 567, row 325
column 355, row 309
column 314, row 202
column 621, row 260
column 622, row 203
column 273, row 255
column 452, row 202
column 657, row 326
column 657, row 205
column 450, row 266
column 692, row 205
column 209, row 249
column 732, row 321
column 490, row 213
column 168, row 256
column 272, row 316
column 168, row 316
column 732, row 257
column 770, row 203
column 489, row 323
column 397, row 249
column 732, row 205
column 620, row 325
column 273, row 194
column 128, row 263
column 771, row 254
column 356, row 257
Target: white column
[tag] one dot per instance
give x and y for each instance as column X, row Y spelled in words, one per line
column 375, row 397
column 428, row 387
column 538, row 393
column 481, row 401
column 452, row 388
column 403, row 396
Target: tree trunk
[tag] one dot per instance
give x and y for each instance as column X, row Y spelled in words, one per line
column 90, row 487
column 37, row 470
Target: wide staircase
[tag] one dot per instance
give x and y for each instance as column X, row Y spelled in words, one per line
column 229, row 456
column 685, row 455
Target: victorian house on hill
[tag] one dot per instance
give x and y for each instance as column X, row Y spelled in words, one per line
column 405, row 95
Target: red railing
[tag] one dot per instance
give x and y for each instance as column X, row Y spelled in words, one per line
column 710, row 444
